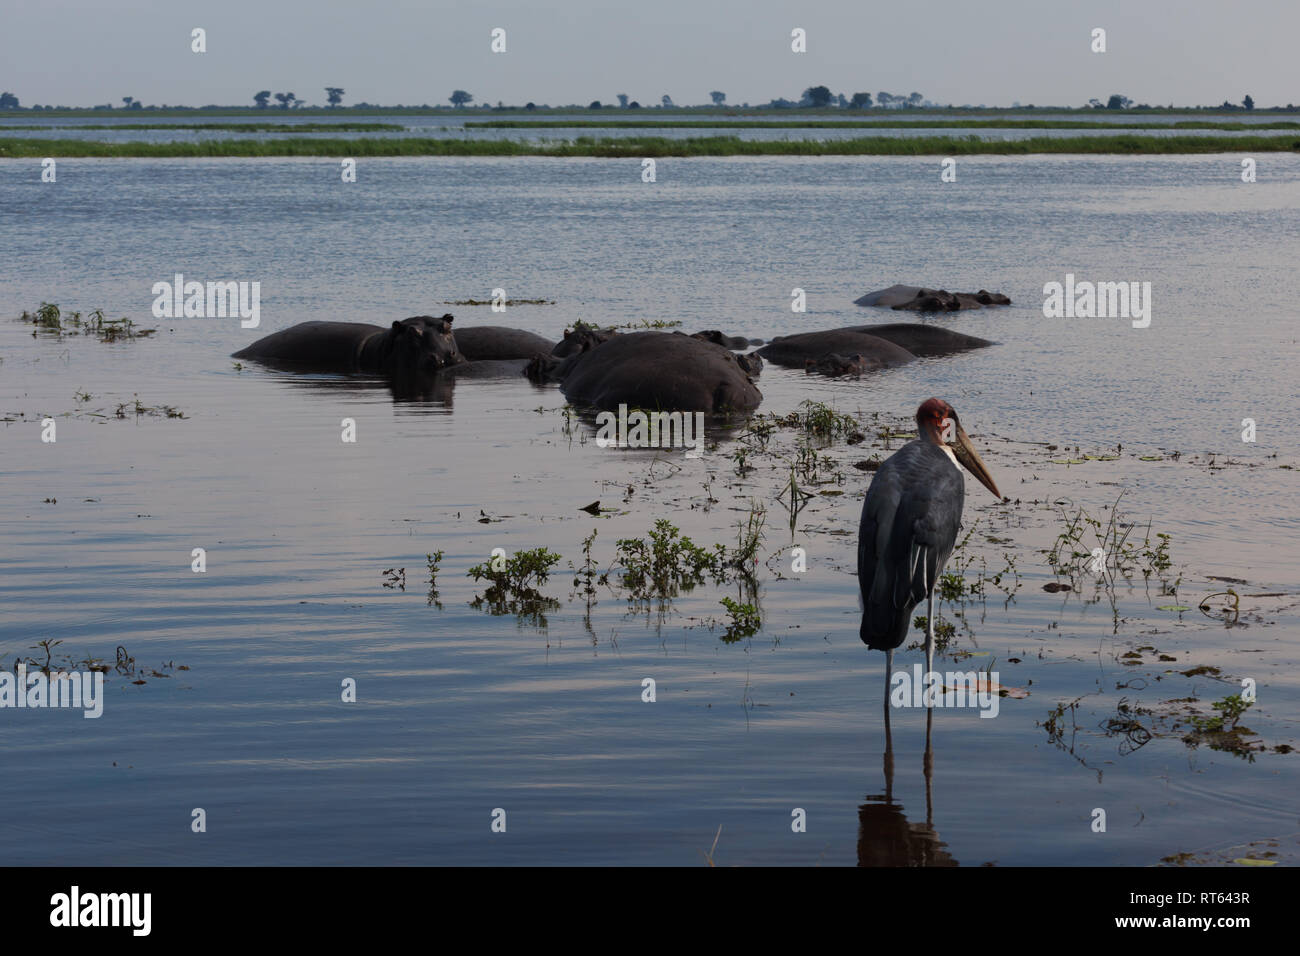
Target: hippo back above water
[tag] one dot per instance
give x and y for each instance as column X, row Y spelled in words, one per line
column 486, row 343
column 661, row 372
column 415, row 345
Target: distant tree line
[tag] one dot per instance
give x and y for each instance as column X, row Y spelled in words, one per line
column 814, row 97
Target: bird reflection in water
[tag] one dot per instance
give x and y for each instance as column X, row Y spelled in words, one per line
column 885, row 836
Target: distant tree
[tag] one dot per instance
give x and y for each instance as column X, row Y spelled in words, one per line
column 1248, row 103
column 127, row 101
column 861, row 101
column 667, row 102
column 1118, row 102
column 8, row 101
column 594, row 105
column 883, row 99
column 817, row 95
column 622, row 100
column 334, row 94
column 261, row 98
column 1094, row 103
column 840, row 100
column 285, row 100
column 530, row 105
column 718, row 97
column 459, row 98
column 634, row 105
column 914, row 99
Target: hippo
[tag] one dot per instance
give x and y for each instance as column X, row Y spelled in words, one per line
column 914, row 298
column 923, row 340
column 492, row 342
column 581, row 338
column 793, row 351
column 658, row 371
column 834, row 365
column 750, row 363
column 419, row 344
column 735, row 343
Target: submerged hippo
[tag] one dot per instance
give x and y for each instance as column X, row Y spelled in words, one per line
column 735, row 343
column 923, row 340
column 480, row 343
column 914, row 298
column 835, row 365
column 419, row 344
column 793, row 351
column 658, row 371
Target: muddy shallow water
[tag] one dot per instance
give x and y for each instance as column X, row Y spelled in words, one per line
column 460, row 711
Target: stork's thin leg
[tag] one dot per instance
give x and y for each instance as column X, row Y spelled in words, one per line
column 929, row 641
column 889, row 673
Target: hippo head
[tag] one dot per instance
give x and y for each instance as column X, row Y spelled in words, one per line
column 423, row 344
column 581, row 338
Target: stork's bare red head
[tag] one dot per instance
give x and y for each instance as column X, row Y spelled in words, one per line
column 937, row 422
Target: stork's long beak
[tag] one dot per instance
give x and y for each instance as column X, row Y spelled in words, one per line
column 971, row 461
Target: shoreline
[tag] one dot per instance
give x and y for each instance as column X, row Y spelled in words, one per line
column 643, row 147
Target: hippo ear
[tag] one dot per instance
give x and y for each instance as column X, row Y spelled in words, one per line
column 397, row 325
column 448, row 317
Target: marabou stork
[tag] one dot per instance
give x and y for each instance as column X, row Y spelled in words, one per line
column 909, row 526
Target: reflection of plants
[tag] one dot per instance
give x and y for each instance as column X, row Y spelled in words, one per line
column 1230, row 710
column 1222, row 733
column 513, row 584
column 518, row 574
column 1125, row 724
column 748, row 539
column 432, row 561
column 585, row 577
column 794, row 498
column 1069, row 553
column 944, row 632
column 744, row 620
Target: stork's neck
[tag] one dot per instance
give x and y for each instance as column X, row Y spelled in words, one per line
column 928, row 430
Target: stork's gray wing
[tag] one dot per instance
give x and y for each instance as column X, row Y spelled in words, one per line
column 910, row 520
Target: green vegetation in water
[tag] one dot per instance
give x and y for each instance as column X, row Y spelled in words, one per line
column 1068, row 553
column 234, row 127
column 665, row 563
column 514, row 582
column 50, row 320
column 519, row 574
column 432, row 562
column 1222, row 732
column 640, row 147
column 652, row 324
column 139, row 408
column 125, row 665
column 744, row 620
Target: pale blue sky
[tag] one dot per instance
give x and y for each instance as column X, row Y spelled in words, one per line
column 83, row 52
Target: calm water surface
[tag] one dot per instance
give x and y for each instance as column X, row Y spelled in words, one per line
column 461, row 711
